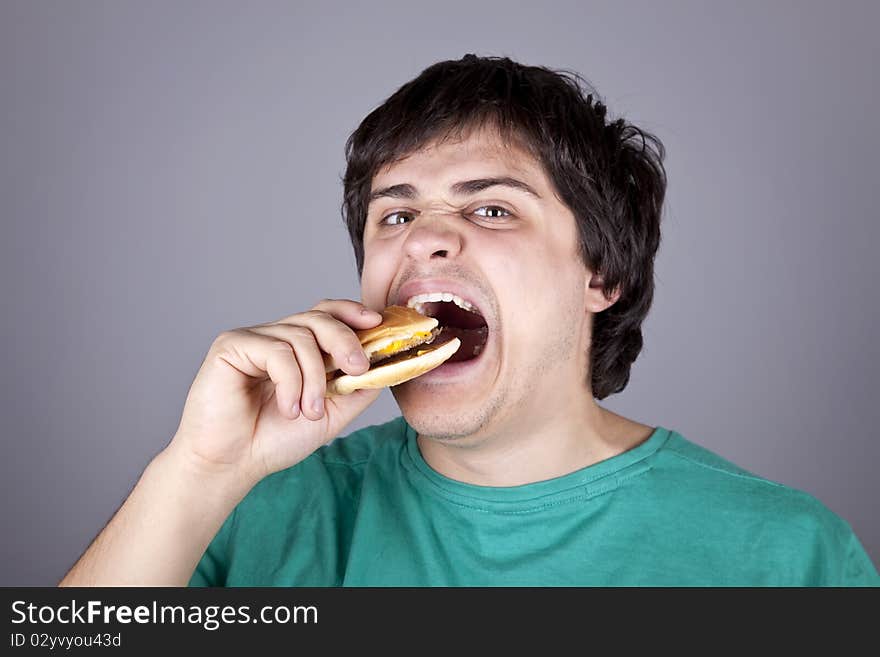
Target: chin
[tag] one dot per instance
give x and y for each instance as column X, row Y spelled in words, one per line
column 440, row 416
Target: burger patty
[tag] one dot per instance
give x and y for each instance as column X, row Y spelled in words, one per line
column 440, row 338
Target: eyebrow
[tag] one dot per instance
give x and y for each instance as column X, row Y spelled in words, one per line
column 463, row 188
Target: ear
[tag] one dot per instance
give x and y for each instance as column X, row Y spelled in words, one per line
column 594, row 296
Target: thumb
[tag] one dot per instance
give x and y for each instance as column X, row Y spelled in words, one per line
column 342, row 409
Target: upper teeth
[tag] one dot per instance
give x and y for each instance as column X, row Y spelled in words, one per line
column 419, row 300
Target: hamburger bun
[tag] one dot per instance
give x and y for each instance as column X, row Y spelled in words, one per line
column 405, row 345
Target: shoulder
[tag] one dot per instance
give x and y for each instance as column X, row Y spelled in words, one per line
column 786, row 525
column 724, row 483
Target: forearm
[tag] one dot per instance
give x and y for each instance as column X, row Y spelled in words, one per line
column 158, row 535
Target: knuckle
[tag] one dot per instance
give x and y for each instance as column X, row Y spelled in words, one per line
column 301, row 334
column 223, row 335
column 224, row 338
column 281, row 346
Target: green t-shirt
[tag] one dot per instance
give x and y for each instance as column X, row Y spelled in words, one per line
column 367, row 510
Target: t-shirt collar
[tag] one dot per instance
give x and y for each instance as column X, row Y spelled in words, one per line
column 592, row 479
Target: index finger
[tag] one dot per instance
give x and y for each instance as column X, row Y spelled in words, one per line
column 352, row 313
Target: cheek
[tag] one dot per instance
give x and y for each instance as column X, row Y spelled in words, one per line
column 522, row 281
column 539, row 286
column 532, row 269
column 378, row 272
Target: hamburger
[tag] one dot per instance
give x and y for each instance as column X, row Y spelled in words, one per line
column 405, row 345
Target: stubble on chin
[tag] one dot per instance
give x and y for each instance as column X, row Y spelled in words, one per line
column 452, row 425
column 470, row 425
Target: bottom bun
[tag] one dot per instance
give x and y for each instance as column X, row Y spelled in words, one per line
column 382, row 376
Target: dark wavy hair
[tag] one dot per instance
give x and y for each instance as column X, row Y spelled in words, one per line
column 609, row 174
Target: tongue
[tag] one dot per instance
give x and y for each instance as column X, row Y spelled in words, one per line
column 472, row 341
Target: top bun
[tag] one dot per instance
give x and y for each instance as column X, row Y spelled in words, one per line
column 401, row 328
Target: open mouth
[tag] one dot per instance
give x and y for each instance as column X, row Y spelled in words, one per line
column 466, row 324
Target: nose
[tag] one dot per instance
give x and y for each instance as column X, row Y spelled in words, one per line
column 433, row 235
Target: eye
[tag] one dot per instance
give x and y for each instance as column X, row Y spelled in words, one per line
column 393, row 219
column 495, row 209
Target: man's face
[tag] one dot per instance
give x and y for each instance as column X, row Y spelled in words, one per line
column 514, row 254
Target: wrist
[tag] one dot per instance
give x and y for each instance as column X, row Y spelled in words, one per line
column 225, row 483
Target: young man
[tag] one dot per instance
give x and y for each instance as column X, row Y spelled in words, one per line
column 503, row 188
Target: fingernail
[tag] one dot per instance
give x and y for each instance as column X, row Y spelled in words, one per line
column 295, row 409
column 357, row 358
column 318, row 406
column 367, row 311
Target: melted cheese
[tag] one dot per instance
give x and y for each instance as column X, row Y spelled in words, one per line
column 396, row 345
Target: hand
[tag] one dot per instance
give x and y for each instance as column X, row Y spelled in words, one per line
column 257, row 404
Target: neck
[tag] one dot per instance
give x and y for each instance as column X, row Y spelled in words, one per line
column 538, row 447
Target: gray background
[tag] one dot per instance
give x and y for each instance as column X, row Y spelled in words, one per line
column 172, row 169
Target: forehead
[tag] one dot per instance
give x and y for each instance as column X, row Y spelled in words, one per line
column 480, row 151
